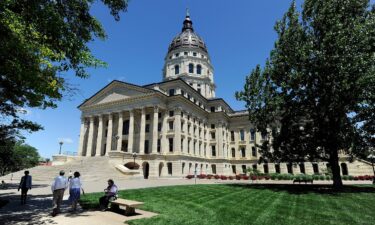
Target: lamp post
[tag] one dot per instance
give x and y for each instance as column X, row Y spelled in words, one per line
column 372, row 157
column 60, row 143
column 134, row 156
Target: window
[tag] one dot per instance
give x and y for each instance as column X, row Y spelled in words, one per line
column 199, row 69
column 277, row 168
column 170, row 144
column 159, row 146
column 147, row 128
column 232, row 135
column 171, row 113
column 243, row 152
column 191, row 68
column 188, row 147
column 185, row 53
column 264, row 135
column 176, row 69
column 254, row 151
column 199, row 90
column 243, row 168
column 159, row 127
column 159, row 115
column 182, row 92
column 242, row 135
column 213, row 150
column 302, row 168
column 170, row 125
column 315, row 168
column 169, row 165
column 212, row 126
column 125, row 129
column 290, row 168
column 213, row 136
column 255, row 166
column 146, row 147
column 147, row 116
column 265, row 168
column 234, row 169
column 233, row 153
column 194, row 54
column 252, row 135
column 171, row 92
column 213, row 109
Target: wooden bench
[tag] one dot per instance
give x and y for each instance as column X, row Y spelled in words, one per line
column 303, row 181
column 129, row 204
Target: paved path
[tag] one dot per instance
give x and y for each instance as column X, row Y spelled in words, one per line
column 38, row 209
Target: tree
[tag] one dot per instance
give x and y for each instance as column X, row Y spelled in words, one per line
column 315, row 94
column 39, row 41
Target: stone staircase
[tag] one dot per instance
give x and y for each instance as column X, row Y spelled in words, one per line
column 90, row 168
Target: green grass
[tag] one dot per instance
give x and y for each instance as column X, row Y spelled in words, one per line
column 252, row 204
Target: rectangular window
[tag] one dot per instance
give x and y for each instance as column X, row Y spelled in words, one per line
column 277, row 168
column 159, row 127
column 232, row 135
column 264, row 135
column 171, row 113
column 188, row 147
column 171, row 92
column 212, row 126
column 213, row 135
column 146, row 147
column 147, row 116
column 213, row 109
column 254, row 151
column 169, row 165
column 252, row 135
column 147, row 128
column 159, row 115
column 170, row 144
column 182, row 92
column 255, row 167
column 170, row 125
column 242, row 135
column 159, row 146
column 233, row 153
column 243, row 152
column 125, row 128
column 213, row 149
column 185, row 53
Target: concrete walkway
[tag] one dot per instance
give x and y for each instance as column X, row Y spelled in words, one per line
column 38, row 209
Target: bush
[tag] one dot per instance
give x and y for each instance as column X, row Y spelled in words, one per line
column 315, row 177
column 267, row 177
column 223, row 177
column 356, row 178
column 209, row 176
column 190, row 176
column 230, row 177
column 245, row 177
column 238, row 177
column 345, row 177
column 328, row 177
column 202, row 176
column 351, row 177
column 321, row 177
column 217, row 177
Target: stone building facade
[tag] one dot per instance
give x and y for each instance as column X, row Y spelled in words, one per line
column 178, row 126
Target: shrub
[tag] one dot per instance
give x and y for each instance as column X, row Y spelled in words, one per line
column 238, row 177
column 245, row 177
column 328, row 177
column 223, row 177
column 209, row 176
column 202, row 176
column 190, row 176
column 315, row 177
column 217, row 177
column 345, row 177
column 356, row 178
column 267, row 177
column 351, row 177
column 230, row 177
column 321, row 177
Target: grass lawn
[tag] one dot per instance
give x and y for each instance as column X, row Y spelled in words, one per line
column 252, row 204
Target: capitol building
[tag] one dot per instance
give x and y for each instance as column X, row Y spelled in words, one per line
column 179, row 126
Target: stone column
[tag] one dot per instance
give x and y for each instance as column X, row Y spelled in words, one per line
column 119, row 130
column 109, row 134
column 90, row 138
column 164, row 130
column 82, row 137
column 219, row 137
column 177, row 131
column 142, row 132
column 131, row 131
column 99, row 141
column 185, row 144
column 202, row 139
column 155, row 134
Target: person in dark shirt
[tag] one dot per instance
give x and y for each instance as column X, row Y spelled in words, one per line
column 25, row 186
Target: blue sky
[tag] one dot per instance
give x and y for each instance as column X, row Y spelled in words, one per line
column 239, row 35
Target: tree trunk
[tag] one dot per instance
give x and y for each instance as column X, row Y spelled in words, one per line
column 335, row 167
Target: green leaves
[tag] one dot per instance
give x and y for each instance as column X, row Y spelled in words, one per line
column 40, row 40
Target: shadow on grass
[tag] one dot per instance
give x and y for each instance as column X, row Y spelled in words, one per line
column 306, row 188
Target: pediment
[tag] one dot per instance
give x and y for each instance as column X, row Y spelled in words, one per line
column 115, row 91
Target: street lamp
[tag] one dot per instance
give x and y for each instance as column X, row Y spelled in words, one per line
column 134, row 156
column 60, row 143
column 372, row 157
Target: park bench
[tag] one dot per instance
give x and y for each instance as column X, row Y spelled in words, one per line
column 129, row 204
column 303, row 181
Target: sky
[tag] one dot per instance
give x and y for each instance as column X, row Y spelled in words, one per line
column 239, row 35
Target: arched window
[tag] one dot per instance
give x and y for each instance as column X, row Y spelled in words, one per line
column 176, row 69
column 199, row 69
column 191, row 68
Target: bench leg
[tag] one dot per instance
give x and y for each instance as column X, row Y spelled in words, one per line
column 129, row 211
column 115, row 207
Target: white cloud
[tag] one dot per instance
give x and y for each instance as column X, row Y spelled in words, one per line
column 66, row 140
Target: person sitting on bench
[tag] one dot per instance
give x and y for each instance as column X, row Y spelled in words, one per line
column 109, row 194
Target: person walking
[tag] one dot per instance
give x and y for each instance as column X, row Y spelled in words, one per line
column 25, row 186
column 75, row 187
column 58, row 187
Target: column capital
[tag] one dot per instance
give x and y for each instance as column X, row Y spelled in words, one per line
column 156, row 108
column 110, row 115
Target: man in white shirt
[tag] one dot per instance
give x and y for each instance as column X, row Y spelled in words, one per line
column 58, row 187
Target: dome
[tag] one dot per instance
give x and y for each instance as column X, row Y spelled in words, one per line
column 187, row 38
